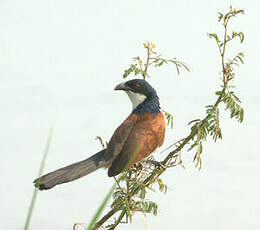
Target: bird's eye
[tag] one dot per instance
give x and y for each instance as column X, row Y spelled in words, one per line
column 135, row 86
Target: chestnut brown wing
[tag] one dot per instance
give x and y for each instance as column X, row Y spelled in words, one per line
column 119, row 137
column 147, row 134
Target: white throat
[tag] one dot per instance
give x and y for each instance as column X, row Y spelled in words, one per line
column 136, row 98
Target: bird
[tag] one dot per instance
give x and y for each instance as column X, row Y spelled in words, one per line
column 139, row 135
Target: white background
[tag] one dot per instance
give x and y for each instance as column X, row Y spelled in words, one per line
column 60, row 61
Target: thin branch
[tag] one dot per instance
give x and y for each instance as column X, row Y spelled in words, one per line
column 147, row 60
column 105, row 218
column 118, row 220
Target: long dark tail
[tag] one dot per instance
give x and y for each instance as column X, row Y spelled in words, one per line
column 71, row 172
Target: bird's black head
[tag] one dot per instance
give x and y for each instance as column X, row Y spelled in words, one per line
column 139, row 86
column 142, row 95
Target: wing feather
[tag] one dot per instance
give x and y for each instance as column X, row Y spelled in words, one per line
column 119, row 137
column 146, row 135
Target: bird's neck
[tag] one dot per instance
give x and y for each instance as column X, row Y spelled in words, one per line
column 149, row 105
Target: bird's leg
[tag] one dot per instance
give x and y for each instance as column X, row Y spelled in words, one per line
column 156, row 163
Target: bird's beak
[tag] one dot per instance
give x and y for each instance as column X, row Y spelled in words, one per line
column 122, row 86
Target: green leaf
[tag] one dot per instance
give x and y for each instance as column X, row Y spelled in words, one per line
column 242, row 36
column 169, row 118
column 215, row 36
column 220, row 17
column 193, row 145
column 143, row 192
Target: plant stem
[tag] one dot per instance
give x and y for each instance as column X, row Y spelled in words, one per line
column 105, row 218
column 147, row 61
column 118, row 220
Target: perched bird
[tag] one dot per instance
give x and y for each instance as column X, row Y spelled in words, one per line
column 134, row 140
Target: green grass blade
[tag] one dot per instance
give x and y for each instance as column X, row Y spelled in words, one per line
column 101, row 208
column 34, row 196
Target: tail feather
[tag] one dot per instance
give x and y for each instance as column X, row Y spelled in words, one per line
column 71, row 172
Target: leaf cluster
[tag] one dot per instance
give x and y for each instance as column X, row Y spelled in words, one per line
column 232, row 104
column 168, row 117
column 133, row 69
column 139, row 67
column 159, row 61
column 211, row 123
column 130, row 195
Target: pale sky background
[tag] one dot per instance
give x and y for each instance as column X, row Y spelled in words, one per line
column 60, row 61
